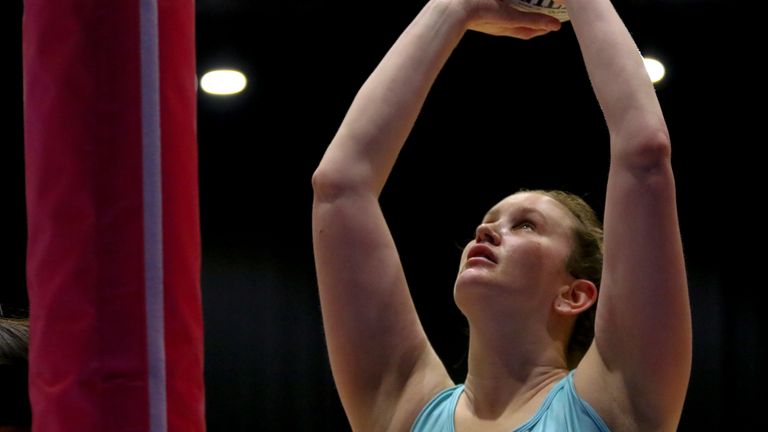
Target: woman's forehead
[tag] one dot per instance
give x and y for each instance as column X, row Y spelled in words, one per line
column 533, row 202
column 526, row 201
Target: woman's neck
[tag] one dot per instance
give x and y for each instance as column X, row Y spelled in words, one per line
column 508, row 367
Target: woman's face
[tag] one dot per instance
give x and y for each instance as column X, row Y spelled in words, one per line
column 521, row 246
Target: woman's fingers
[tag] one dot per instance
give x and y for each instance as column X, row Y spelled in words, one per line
column 528, row 33
column 535, row 20
column 498, row 17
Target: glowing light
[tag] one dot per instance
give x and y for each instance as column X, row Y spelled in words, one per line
column 223, row 82
column 654, row 68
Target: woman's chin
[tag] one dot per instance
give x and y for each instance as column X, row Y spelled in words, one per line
column 471, row 275
column 474, row 285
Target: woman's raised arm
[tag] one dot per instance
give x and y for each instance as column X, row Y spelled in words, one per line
column 636, row 373
column 381, row 360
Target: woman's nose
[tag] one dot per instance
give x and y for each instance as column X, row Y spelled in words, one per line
column 486, row 233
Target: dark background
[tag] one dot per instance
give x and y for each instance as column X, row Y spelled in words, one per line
column 504, row 114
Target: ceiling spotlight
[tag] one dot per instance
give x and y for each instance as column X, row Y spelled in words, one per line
column 654, row 68
column 223, row 82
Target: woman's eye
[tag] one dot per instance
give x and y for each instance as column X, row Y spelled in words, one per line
column 526, row 225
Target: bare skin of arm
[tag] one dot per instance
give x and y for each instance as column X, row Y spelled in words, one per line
column 636, row 372
column 382, row 362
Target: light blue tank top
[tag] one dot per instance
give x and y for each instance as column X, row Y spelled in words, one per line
column 562, row 411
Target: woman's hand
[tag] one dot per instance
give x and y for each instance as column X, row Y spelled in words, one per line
column 499, row 18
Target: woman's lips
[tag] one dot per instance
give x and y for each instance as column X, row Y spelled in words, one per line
column 481, row 253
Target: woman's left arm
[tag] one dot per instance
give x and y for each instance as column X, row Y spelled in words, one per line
column 637, row 370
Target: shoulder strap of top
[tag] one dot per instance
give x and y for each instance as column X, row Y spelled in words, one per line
column 437, row 414
column 588, row 410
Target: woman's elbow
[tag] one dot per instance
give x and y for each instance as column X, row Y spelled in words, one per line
column 330, row 184
column 646, row 154
column 325, row 184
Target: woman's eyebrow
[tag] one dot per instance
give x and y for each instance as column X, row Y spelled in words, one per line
column 491, row 213
column 536, row 211
column 494, row 212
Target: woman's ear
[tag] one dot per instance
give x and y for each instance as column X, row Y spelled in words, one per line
column 575, row 298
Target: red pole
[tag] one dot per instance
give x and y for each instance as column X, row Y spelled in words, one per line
column 114, row 246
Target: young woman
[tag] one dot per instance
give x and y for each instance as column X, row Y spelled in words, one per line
column 532, row 270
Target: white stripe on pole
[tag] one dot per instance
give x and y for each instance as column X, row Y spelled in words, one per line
column 153, row 214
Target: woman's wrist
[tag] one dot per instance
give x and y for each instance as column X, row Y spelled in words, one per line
column 459, row 11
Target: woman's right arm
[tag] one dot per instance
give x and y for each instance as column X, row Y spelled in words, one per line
column 375, row 341
column 382, row 362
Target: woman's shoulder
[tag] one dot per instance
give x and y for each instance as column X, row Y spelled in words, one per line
column 437, row 415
